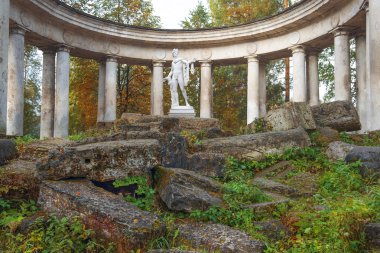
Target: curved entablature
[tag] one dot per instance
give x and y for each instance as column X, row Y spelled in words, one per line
column 309, row 23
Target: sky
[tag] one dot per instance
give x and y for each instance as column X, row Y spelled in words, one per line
column 172, row 12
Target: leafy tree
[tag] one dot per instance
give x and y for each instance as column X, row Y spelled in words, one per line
column 198, row 18
column 32, row 91
column 133, row 81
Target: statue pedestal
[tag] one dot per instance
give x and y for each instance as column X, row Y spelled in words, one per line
column 182, row 111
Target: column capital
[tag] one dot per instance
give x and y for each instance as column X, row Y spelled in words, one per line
column 340, row 31
column 205, row 63
column 298, row 49
column 48, row 49
column 313, row 51
column 18, row 29
column 158, row 63
column 111, row 58
column 63, row 48
column 252, row 58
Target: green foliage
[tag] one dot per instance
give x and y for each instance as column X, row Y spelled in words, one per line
column 345, row 137
column 192, row 138
column 32, row 90
column 198, row 18
column 78, row 137
column 45, row 234
column 342, row 178
column 21, row 141
column 240, row 194
column 143, row 196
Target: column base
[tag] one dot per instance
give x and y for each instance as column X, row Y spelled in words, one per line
column 182, row 111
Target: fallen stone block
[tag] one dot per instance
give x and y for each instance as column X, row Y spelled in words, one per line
column 107, row 214
column 19, row 180
column 369, row 157
column 185, row 191
column 103, row 161
column 339, row 115
column 206, row 164
column 219, row 238
column 338, row 150
column 256, row 146
column 372, row 234
column 8, row 150
column 274, row 230
column 290, row 116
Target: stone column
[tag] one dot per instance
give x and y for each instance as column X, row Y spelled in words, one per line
column 101, row 91
column 342, row 65
column 253, row 89
column 110, row 89
column 15, row 111
column 374, row 62
column 313, row 78
column 157, row 103
column 61, row 110
column 4, row 41
column 363, row 92
column 299, row 74
column 206, row 90
column 263, row 89
column 48, row 94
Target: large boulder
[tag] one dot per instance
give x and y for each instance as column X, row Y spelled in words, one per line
column 372, row 234
column 8, row 150
column 339, row 115
column 112, row 218
column 255, row 146
column 290, row 116
column 369, row 157
column 104, row 161
column 338, row 150
column 185, row 191
column 18, row 180
column 219, row 238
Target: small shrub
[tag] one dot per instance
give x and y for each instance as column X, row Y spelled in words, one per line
column 143, row 197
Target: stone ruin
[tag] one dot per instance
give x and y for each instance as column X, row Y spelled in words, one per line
column 75, row 178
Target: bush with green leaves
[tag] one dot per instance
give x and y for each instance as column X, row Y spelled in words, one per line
column 44, row 234
column 143, row 196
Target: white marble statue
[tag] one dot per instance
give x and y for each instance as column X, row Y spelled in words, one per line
column 179, row 75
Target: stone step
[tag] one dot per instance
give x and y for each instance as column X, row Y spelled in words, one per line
column 107, row 214
column 275, row 187
column 218, row 238
column 275, row 170
column 18, row 180
column 266, row 207
column 206, row 164
column 103, row 161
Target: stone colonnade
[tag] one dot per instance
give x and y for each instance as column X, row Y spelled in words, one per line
column 56, row 67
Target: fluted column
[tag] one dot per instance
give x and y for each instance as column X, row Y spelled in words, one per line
column 263, row 89
column 313, row 78
column 4, row 35
column 15, row 110
column 253, row 89
column 101, row 91
column 342, row 65
column 206, row 90
column 299, row 74
column 157, row 90
column 374, row 62
column 110, row 89
column 48, row 94
column 61, row 110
